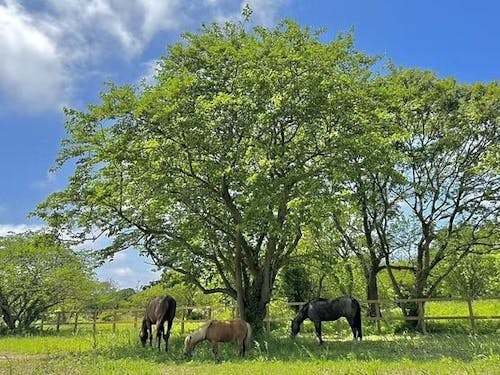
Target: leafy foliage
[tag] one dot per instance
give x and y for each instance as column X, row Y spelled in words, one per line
column 476, row 276
column 38, row 272
column 248, row 139
column 215, row 168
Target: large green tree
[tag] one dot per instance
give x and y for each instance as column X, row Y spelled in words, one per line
column 215, row 168
column 451, row 195
column 362, row 209
column 38, row 272
column 477, row 276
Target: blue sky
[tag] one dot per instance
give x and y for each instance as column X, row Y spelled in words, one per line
column 57, row 53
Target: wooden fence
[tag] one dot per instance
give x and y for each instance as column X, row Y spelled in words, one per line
column 94, row 318
column 78, row 318
column 421, row 318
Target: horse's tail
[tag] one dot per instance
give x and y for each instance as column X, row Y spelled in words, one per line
column 173, row 309
column 247, row 340
column 357, row 318
column 166, row 306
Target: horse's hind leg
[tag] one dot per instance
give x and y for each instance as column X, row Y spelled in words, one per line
column 353, row 327
column 241, row 343
column 317, row 326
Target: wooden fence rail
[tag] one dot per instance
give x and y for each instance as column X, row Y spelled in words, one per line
column 421, row 318
column 92, row 317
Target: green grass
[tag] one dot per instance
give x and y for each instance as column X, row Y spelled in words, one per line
column 456, row 308
column 449, row 349
column 120, row 353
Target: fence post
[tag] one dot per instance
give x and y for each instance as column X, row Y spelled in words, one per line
column 421, row 318
column 471, row 315
column 94, row 319
column 182, row 320
column 209, row 312
column 378, row 316
column 75, row 328
column 58, row 323
column 114, row 320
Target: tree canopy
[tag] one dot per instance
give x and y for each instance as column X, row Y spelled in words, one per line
column 248, row 137
column 215, row 168
column 38, row 272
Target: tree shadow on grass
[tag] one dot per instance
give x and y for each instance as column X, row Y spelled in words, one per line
column 388, row 348
column 306, row 349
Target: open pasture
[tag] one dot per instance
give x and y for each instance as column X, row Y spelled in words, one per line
column 121, row 353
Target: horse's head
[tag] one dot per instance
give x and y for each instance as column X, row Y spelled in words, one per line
column 295, row 328
column 143, row 335
column 299, row 318
column 188, row 347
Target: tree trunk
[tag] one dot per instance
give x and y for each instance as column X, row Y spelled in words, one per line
column 9, row 320
column 255, row 309
column 372, row 290
column 410, row 310
column 240, row 292
column 253, row 306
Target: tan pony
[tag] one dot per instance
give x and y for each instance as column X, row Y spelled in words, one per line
column 220, row 331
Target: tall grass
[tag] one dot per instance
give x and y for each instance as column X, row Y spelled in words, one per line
column 448, row 349
column 120, row 353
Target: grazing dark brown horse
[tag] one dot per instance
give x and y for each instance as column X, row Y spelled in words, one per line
column 158, row 311
column 319, row 310
column 216, row 331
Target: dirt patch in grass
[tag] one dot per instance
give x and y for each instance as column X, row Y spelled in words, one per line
column 4, row 356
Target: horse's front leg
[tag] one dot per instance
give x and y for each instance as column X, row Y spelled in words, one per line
column 166, row 336
column 149, row 331
column 242, row 348
column 159, row 334
column 215, row 351
column 317, row 326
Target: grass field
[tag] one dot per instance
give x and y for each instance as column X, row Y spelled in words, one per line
column 448, row 349
column 120, row 353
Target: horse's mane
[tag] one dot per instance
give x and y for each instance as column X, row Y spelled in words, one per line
column 303, row 309
column 198, row 335
column 318, row 299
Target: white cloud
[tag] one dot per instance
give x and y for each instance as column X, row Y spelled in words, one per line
column 49, row 181
column 6, row 229
column 45, row 48
column 128, row 269
column 31, row 67
column 265, row 11
column 149, row 72
column 121, row 272
column 161, row 16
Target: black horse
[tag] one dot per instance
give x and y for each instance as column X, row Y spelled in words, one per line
column 320, row 309
column 158, row 311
